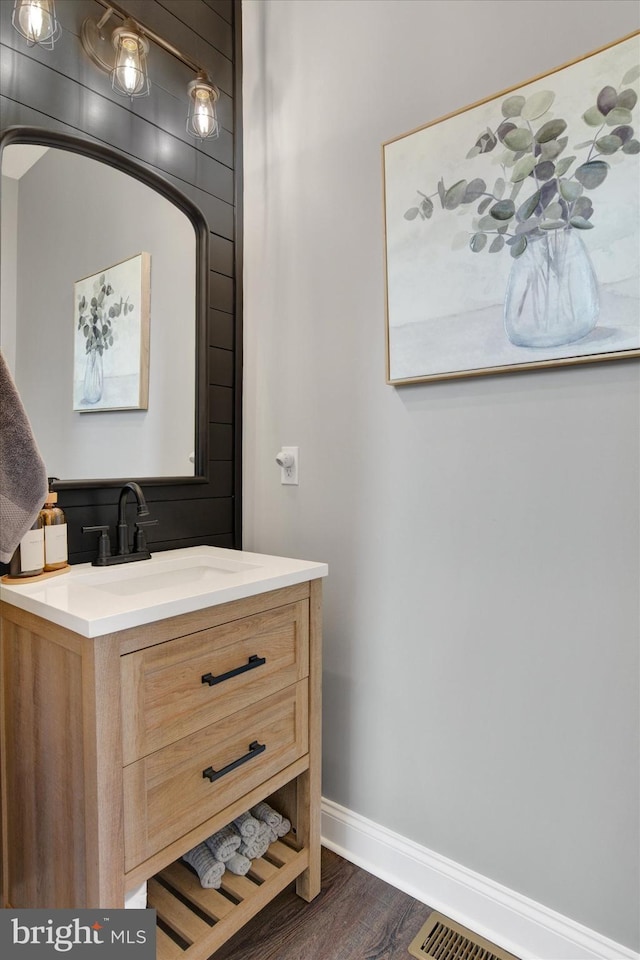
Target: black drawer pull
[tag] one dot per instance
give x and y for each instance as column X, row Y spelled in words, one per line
column 254, row 661
column 254, row 749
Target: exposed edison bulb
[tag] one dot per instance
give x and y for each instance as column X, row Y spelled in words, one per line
column 202, row 121
column 130, row 71
column 36, row 21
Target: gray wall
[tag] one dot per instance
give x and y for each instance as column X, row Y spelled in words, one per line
column 97, row 216
column 481, row 657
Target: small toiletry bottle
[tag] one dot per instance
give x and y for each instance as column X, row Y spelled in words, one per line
column 28, row 557
column 55, row 532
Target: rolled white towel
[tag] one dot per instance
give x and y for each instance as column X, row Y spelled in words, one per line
column 206, row 866
column 257, row 846
column 262, row 811
column 247, row 826
column 284, row 828
column 238, row 865
column 224, row 843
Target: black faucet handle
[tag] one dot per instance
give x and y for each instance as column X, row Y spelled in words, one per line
column 139, row 541
column 104, row 543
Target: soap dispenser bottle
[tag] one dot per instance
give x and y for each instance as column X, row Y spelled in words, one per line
column 55, row 532
column 28, row 557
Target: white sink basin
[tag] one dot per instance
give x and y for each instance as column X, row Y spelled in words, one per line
column 141, row 577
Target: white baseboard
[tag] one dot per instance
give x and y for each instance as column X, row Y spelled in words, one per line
column 527, row 929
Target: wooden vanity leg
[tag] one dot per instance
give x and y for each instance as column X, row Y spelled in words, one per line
column 309, row 783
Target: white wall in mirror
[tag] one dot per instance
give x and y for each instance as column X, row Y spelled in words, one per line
column 66, row 217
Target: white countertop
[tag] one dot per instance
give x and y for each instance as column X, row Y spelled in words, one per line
column 93, row 601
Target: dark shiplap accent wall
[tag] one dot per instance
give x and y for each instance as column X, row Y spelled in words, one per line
column 62, row 90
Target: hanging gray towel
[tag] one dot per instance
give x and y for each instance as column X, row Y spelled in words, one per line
column 23, row 475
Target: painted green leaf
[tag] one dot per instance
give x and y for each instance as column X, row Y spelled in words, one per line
column 503, row 210
column 618, row 115
column 570, row 190
column 544, row 170
column 631, row 75
column 519, row 246
column 518, row 139
column 478, row 242
column 475, row 189
column 550, row 149
column 608, row 144
column 627, row 99
column 523, row 168
column 592, row 174
column 554, row 211
column 625, row 133
column 474, row 152
column 496, row 244
column 505, row 127
column 482, row 206
column 631, row 146
column 581, row 223
column 537, row 104
column 583, row 208
column 426, row 207
column 607, row 99
column 487, row 224
column 550, row 130
column 512, row 106
column 552, row 224
column 593, row 117
column 528, row 207
column 498, row 188
column 563, row 165
column 441, row 191
column 411, row 214
column 453, row 196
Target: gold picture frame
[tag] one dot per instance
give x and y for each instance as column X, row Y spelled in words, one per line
column 512, row 227
column 111, row 337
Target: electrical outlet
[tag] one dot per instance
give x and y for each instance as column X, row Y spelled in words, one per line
column 288, row 461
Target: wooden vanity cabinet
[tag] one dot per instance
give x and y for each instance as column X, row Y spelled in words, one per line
column 104, row 744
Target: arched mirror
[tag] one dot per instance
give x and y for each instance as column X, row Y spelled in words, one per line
column 104, row 271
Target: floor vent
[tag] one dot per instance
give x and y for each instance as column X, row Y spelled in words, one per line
column 444, row 939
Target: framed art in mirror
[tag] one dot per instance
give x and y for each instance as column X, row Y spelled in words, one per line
column 512, row 227
column 112, row 330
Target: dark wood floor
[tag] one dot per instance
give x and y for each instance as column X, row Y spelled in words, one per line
column 355, row 917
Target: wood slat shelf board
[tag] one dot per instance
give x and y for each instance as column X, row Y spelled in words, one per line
column 205, row 939
column 280, row 853
column 262, row 870
column 166, row 948
column 184, row 880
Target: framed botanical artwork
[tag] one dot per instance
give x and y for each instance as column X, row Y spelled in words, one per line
column 512, row 227
column 111, row 343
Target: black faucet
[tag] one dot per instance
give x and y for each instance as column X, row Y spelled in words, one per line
column 123, row 526
column 124, row 555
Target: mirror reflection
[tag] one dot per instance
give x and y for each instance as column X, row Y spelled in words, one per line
column 98, row 315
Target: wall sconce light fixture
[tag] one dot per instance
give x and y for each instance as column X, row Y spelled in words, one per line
column 129, row 74
column 36, row 21
column 123, row 55
column 202, row 121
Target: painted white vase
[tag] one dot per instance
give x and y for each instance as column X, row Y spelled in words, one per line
column 93, row 377
column 552, row 292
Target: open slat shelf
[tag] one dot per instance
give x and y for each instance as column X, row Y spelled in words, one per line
column 202, row 920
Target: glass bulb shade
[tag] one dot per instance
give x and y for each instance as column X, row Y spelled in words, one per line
column 36, row 21
column 129, row 74
column 202, row 121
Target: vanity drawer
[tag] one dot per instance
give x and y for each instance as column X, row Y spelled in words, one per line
column 164, row 695
column 173, row 790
